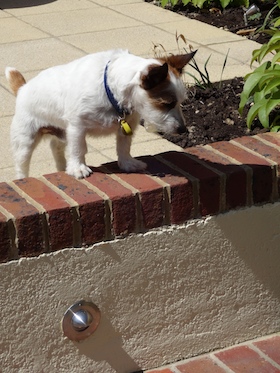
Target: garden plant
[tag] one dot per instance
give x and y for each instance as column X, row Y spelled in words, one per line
column 262, row 86
column 206, row 3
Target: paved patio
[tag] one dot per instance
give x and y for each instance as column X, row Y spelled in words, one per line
column 51, row 32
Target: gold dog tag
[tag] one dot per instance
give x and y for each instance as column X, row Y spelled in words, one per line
column 126, row 128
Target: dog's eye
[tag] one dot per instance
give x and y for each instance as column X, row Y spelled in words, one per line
column 170, row 105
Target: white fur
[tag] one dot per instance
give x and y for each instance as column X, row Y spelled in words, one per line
column 73, row 97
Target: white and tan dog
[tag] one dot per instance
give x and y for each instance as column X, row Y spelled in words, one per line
column 97, row 94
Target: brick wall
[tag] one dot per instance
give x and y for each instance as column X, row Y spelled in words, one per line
column 57, row 211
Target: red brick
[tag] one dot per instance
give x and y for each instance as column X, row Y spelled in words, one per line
column 122, row 199
column 271, row 347
column 90, row 205
column 60, row 218
column 209, row 181
column 242, row 359
column 200, row 365
column 179, row 195
column 262, row 172
column 28, row 223
column 236, row 179
column 151, row 196
column 5, row 241
column 253, row 143
column 274, row 138
column 159, row 371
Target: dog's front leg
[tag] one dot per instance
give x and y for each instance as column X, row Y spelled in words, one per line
column 77, row 149
column 125, row 161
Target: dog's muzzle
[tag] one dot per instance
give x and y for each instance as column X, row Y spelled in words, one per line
column 182, row 129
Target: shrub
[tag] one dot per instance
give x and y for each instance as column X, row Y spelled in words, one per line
column 262, row 86
column 206, row 3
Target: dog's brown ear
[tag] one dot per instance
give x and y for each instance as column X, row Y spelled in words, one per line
column 179, row 61
column 155, row 75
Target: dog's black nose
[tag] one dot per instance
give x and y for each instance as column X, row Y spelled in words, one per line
column 182, row 129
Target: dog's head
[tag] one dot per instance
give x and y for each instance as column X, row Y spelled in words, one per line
column 162, row 92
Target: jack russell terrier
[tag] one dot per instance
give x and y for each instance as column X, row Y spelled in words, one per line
column 97, row 94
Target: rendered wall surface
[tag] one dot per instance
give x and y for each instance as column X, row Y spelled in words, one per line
column 164, row 295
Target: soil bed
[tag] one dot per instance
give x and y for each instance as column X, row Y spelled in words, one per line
column 232, row 19
column 212, row 114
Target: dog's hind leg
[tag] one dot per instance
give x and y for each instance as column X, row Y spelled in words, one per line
column 58, row 151
column 24, row 139
column 23, row 148
column 125, row 161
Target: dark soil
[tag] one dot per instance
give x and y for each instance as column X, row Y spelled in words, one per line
column 212, row 114
column 232, row 19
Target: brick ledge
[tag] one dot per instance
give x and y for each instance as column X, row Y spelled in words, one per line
column 259, row 355
column 57, row 211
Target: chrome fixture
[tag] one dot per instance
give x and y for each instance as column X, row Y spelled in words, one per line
column 253, row 9
column 80, row 320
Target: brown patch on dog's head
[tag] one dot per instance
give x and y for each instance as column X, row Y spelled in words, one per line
column 157, row 80
column 162, row 97
column 155, row 75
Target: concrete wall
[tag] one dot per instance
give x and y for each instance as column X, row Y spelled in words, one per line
column 164, row 295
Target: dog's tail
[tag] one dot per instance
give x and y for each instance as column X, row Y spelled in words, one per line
column 15, row 79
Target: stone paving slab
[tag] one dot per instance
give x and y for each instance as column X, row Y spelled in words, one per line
column 15, row 7
column 13, row 29
column 36, row 54
column 79, row 21
column 125, row 37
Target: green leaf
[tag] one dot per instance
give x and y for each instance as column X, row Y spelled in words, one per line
column 268, row 76
column 276, row 22
column 273, row 101
column 248, row 89
column 267, row 18
column 224, row 3
column 273, row 85
column 275, row 39
column 275, row 129
column 268, row 50
column 263, row 116
column 263, row 108
column 198, row 3
column 258, row 96
column 276, row 58
column 253, row 112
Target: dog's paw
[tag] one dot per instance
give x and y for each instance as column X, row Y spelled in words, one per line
column 132, row 165
column 79, row 172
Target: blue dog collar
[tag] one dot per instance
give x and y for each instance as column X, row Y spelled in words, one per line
column 120, row 111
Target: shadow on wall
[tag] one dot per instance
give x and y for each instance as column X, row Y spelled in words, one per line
column 8, row 4
column 106, row 345
column 255, row 236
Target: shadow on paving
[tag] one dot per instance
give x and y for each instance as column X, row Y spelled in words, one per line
column 8, row 4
